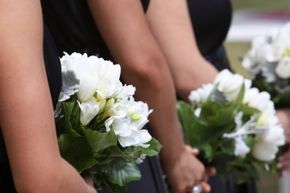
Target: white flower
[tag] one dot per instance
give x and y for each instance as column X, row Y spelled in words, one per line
column 283, row 68
column 268, row 142
column 127, row 120
column 267, row 145
column 230, row 84
column 275, row 136
column 240, row 133
column 241, row 147
column 264, row 151
column 126, row 92
column 200, row 95
column 89, row 110
column 259, row 100
column 256, row 56
column 197, row 112
column 94, row 75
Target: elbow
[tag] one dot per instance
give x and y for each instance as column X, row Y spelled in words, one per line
column 184, row 86
column 147, row 71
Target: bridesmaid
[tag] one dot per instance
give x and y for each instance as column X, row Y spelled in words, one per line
column 195, row 60
column 126, row 37
column 29, row 85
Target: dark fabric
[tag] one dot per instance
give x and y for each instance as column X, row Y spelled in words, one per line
column 145, row 4
column 211, row 20
column 151, row 182
column 53, row 71
column 218, row 58
column 73, row 27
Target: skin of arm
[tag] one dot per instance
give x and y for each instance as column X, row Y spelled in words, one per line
column 170, row 23
column 26, row 113
column 284, row 159
column 126, row 32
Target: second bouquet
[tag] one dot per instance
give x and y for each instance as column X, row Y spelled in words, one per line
column 233, row 125
column 102, row 125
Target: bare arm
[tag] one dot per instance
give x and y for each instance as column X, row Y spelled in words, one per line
column 126, row 32
column 26, row 113
column 169, row 20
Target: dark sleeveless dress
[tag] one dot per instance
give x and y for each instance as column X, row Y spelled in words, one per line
column 211, row 21
column 74, row 30
column 53, row 71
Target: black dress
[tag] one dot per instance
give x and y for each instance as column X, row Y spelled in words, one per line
column 74, row 30
column 211, row 21
column 53, row 71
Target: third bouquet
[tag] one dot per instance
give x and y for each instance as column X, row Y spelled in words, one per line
column 234, row 126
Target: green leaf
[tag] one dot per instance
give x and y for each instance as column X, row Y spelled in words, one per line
column 99, row 141
column 71, row 118
column 239, row 100
column 153, row 149
column 133, row 153
column 116, row 175
column 187, row 120
column 122, row 172
column 76, row 151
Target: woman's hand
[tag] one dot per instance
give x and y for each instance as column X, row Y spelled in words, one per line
column 185, row 172
column 284, row 159
column 90, row 184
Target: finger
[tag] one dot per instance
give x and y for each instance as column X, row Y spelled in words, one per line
column 210, row 171
column 194, row 151
column 89, row 181
column 205, row 187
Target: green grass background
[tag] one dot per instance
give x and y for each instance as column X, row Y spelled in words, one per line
column 267, row 183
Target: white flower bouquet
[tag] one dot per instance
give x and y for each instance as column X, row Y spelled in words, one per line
column 101, row 123
column 233, row 125
column 268, row 62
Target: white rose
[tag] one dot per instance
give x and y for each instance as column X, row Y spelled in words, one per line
column 267, row 146
column 230, row 84
column 283, row 68
column 95, row 75
column 259, row 100
column 275, row 135
column 264, row 151
column 201, row 94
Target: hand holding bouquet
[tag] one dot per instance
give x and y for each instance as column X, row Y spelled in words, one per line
column 102, row 124
column 268, row 62
column 233, row 125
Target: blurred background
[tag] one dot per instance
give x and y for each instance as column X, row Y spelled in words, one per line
column 252, row 18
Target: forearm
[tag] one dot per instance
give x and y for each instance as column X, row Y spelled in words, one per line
column 172, row 28
column 26, row 113
column 124, row 28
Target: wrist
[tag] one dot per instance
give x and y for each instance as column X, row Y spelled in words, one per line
column 169, row 155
